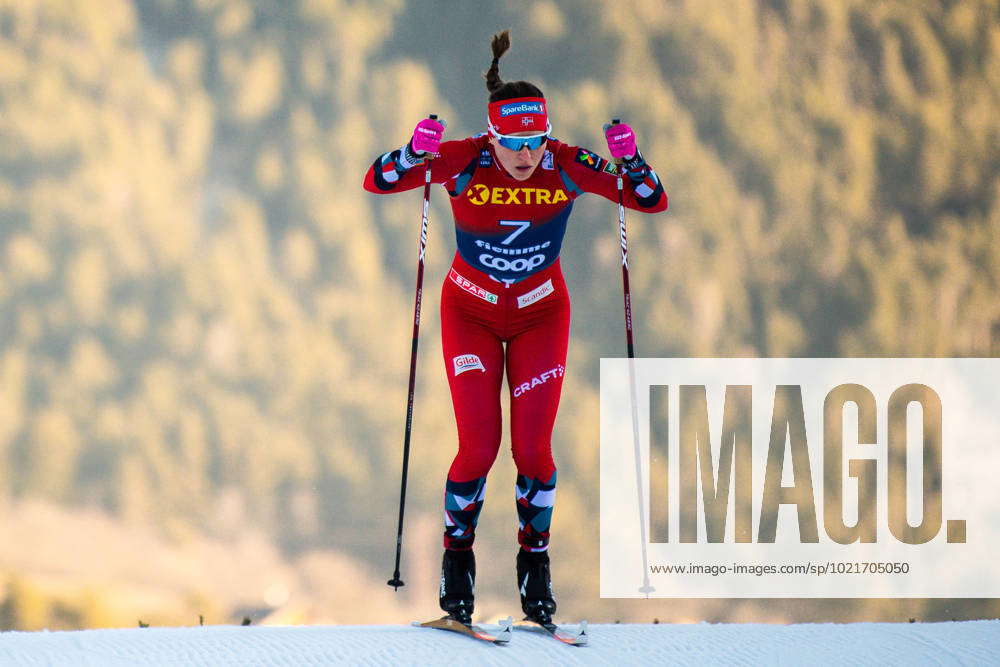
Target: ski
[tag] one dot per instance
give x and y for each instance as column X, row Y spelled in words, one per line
column 474, row 631
column 566, row 637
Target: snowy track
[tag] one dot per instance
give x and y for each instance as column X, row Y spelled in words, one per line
column 972, row 642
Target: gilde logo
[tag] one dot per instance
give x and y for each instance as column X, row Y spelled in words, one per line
column 467, row 362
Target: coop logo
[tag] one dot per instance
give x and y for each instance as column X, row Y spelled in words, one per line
column 467, row 362
column 519, row 265
column 836, row 466
column 480, row 194
column 539, row 380
column 521, row 107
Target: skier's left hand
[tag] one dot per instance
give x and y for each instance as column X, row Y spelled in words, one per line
column 621, row 140
column 427, row 136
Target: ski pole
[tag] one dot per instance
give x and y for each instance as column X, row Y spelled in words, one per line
column 396, row 582
column 646, row 587
column 624, row 245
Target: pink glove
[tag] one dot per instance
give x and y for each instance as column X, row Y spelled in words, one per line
column 427, row 136
column 621, row 140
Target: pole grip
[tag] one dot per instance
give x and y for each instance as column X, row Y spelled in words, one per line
column 617, row 121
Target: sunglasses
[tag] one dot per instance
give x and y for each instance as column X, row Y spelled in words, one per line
column 516, row 143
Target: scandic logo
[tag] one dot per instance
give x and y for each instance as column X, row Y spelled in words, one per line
column 536, row 294
column 521, row 107
column 771, row 461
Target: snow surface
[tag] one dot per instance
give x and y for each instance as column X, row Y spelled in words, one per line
column 969, row 642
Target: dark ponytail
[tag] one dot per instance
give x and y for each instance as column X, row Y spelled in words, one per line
column 500, row 44
column 498, row 88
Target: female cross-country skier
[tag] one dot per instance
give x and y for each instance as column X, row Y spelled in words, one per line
column 504, row 306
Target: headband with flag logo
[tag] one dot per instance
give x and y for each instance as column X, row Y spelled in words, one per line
column 521, row 114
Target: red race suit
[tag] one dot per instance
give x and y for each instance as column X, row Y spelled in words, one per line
column 504, row 308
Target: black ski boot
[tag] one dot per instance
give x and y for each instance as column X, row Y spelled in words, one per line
column 458, row 584
column 535, row 584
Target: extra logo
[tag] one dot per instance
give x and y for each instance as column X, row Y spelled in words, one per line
column 522, row 107
column 588, row 159
column 480, row 194
column 467, row 362
column 539, row 380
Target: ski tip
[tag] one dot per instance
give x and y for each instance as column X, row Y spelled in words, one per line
column 581, row 637
column 578, row 639
column 571, row 640
column 506, row 632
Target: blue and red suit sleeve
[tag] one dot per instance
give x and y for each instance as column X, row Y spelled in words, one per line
column 391, row 172
column 590, row 172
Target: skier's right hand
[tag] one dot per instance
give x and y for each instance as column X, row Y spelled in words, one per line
column 427, row 137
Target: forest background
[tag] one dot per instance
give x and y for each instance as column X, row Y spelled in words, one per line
column 204, row 319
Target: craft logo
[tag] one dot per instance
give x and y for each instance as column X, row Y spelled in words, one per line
column 539, row 380
column 808, row 470
column 467, row 362
column 548, row 163
column 480, row 194
column 521, row 107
